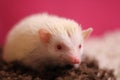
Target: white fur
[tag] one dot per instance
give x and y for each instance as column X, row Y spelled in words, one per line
column 23, row 42
column 106, row 50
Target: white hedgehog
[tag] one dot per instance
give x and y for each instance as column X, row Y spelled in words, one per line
column 43, row 39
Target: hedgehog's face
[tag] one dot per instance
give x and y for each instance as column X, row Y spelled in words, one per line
column 65, row 49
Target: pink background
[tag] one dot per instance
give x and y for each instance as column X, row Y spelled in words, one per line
column 102, row 15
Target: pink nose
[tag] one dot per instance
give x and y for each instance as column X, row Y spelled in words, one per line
column 73, row 59
column 76, row 61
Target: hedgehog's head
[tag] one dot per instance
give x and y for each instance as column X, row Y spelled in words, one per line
column 65, row 44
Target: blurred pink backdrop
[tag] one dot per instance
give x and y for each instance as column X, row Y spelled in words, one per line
column 102, row 15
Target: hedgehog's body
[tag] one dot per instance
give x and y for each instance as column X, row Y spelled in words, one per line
column 34, row 39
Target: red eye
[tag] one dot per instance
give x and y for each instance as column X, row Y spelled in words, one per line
column 59, row 47
column 80, row 46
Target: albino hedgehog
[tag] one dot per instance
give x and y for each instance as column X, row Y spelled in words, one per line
column 43, row 39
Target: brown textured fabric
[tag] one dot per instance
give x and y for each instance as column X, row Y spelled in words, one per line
column 87, row 71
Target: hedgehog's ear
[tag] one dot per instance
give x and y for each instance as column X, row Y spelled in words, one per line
column 86, row 33
column 44, row 35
